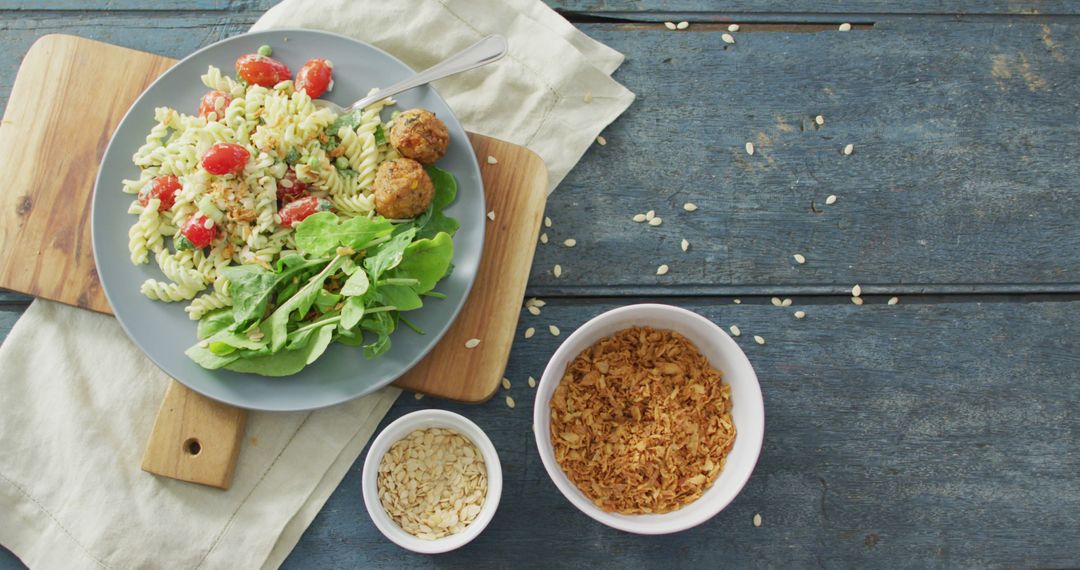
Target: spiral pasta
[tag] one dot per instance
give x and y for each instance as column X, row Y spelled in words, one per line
column 285, row 134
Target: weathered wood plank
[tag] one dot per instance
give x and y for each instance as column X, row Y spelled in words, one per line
column 961, row 172
column 736, row 8
column 961, row 175
column 916, row 435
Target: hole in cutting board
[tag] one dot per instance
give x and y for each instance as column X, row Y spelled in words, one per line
column 192, row 446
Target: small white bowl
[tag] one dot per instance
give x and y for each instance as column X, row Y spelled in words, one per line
column 397, row 430
column 747, row 411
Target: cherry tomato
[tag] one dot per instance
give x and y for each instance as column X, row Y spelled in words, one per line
column 197, row 233
column 225, row 158
column 164, row 188
column 290, row 189
column 208, row 104
column 314, row 77
column 261, row 70
column 297, row 211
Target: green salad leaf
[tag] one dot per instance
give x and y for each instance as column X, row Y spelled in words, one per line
column 427, row 261
column 320, row 234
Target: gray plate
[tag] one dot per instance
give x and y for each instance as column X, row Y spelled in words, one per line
column 163, row 331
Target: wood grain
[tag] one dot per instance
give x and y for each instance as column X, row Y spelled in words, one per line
column 49, row 152
column 195, row 439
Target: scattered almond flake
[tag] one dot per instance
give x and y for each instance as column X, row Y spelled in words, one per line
column 831, row 199
column 776, row 301
column 799, row 258
column 543, row 237
column 728, row 38
column 529, row 332
column 506, row 383
column 848, row 149
column 856, row 290
column 662, row 270
column 588, row 98
column 683, row 25
column 733, row 28
column 532, row 382
column 759, row 339
column 650, row 214
column 857, row 300
column 547, row 222
column 750, row 148
column 689, row 206
column 537, row 302
column 571, row 242
column 735, row 330
column 557, row 270
column 554, row 330
column 472, row 343
column 800, row 314
column 820, row 120
column 639, row 217
column 534, row 311
column 600, row 140
column 670, row 25
column 894, row 300
column 786, row 303
column 737, row 301
column 509, row 402
column 418, row 396
column 845, row 27
column 757, row 519
column 655, row 222
column 685, row 245
column 491, row 215
column 492, row 160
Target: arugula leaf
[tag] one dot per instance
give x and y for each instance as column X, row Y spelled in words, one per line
column 222, row 348
column 382, row 324
column 427, row 261
column 355, row 285
column 275, row 327
column 352, row 312
column 388, row 255
column 214, row 322
column 251, row 286
column 287, row 362
column 380, row 135
column 401, row 297
column 438, row 223
column 445, row 187
column 320, row 234
column 325, row 301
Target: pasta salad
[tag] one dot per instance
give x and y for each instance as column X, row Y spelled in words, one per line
column 285, row 226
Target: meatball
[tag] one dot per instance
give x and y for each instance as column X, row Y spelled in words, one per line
column 420, row 135
column 402, row 189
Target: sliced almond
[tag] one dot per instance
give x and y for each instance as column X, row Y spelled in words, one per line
column 554, row 330
column 800, row 314
column 845, row 27
column 670, row 25
column 728, row 38
column 662, row 270
column 799, row 258
column 557, row 271
column 735, row 331
column 750, row 148
column 529, row 332
column 759, row 339
column 894, row 300
column 571, row 242
column 491, row 215
column 685, row 245
column 492, row 160
column 689, row 206
column 472, row 343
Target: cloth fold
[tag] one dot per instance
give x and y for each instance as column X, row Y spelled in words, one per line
column 79, row 399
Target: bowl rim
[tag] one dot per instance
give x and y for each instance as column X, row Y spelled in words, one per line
column 678, row 520
column 394, row 432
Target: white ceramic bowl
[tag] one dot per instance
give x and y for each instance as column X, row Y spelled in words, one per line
column 402, row 427
column 747, row 411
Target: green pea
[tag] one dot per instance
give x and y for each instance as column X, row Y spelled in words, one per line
column 341, row 162
column 265, row 51
column 313, row 162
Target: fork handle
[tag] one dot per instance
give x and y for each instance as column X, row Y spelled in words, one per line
column 482, row 52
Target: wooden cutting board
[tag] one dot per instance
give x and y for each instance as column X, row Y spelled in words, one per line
column 68, row 97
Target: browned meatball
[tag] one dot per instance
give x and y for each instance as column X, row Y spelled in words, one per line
column 402, row 189
column 420, row 135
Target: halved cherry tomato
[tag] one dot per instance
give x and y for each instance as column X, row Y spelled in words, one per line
column 297, row 211
column 314, row 77
column 290, row 189
column 261, row 70
column 197, row 233
column 209, row 104
column 225, row 158
column 164, row 188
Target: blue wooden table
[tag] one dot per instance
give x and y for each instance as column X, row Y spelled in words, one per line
column 943, row 431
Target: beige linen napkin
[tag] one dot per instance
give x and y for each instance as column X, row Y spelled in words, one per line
column 78, row 399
